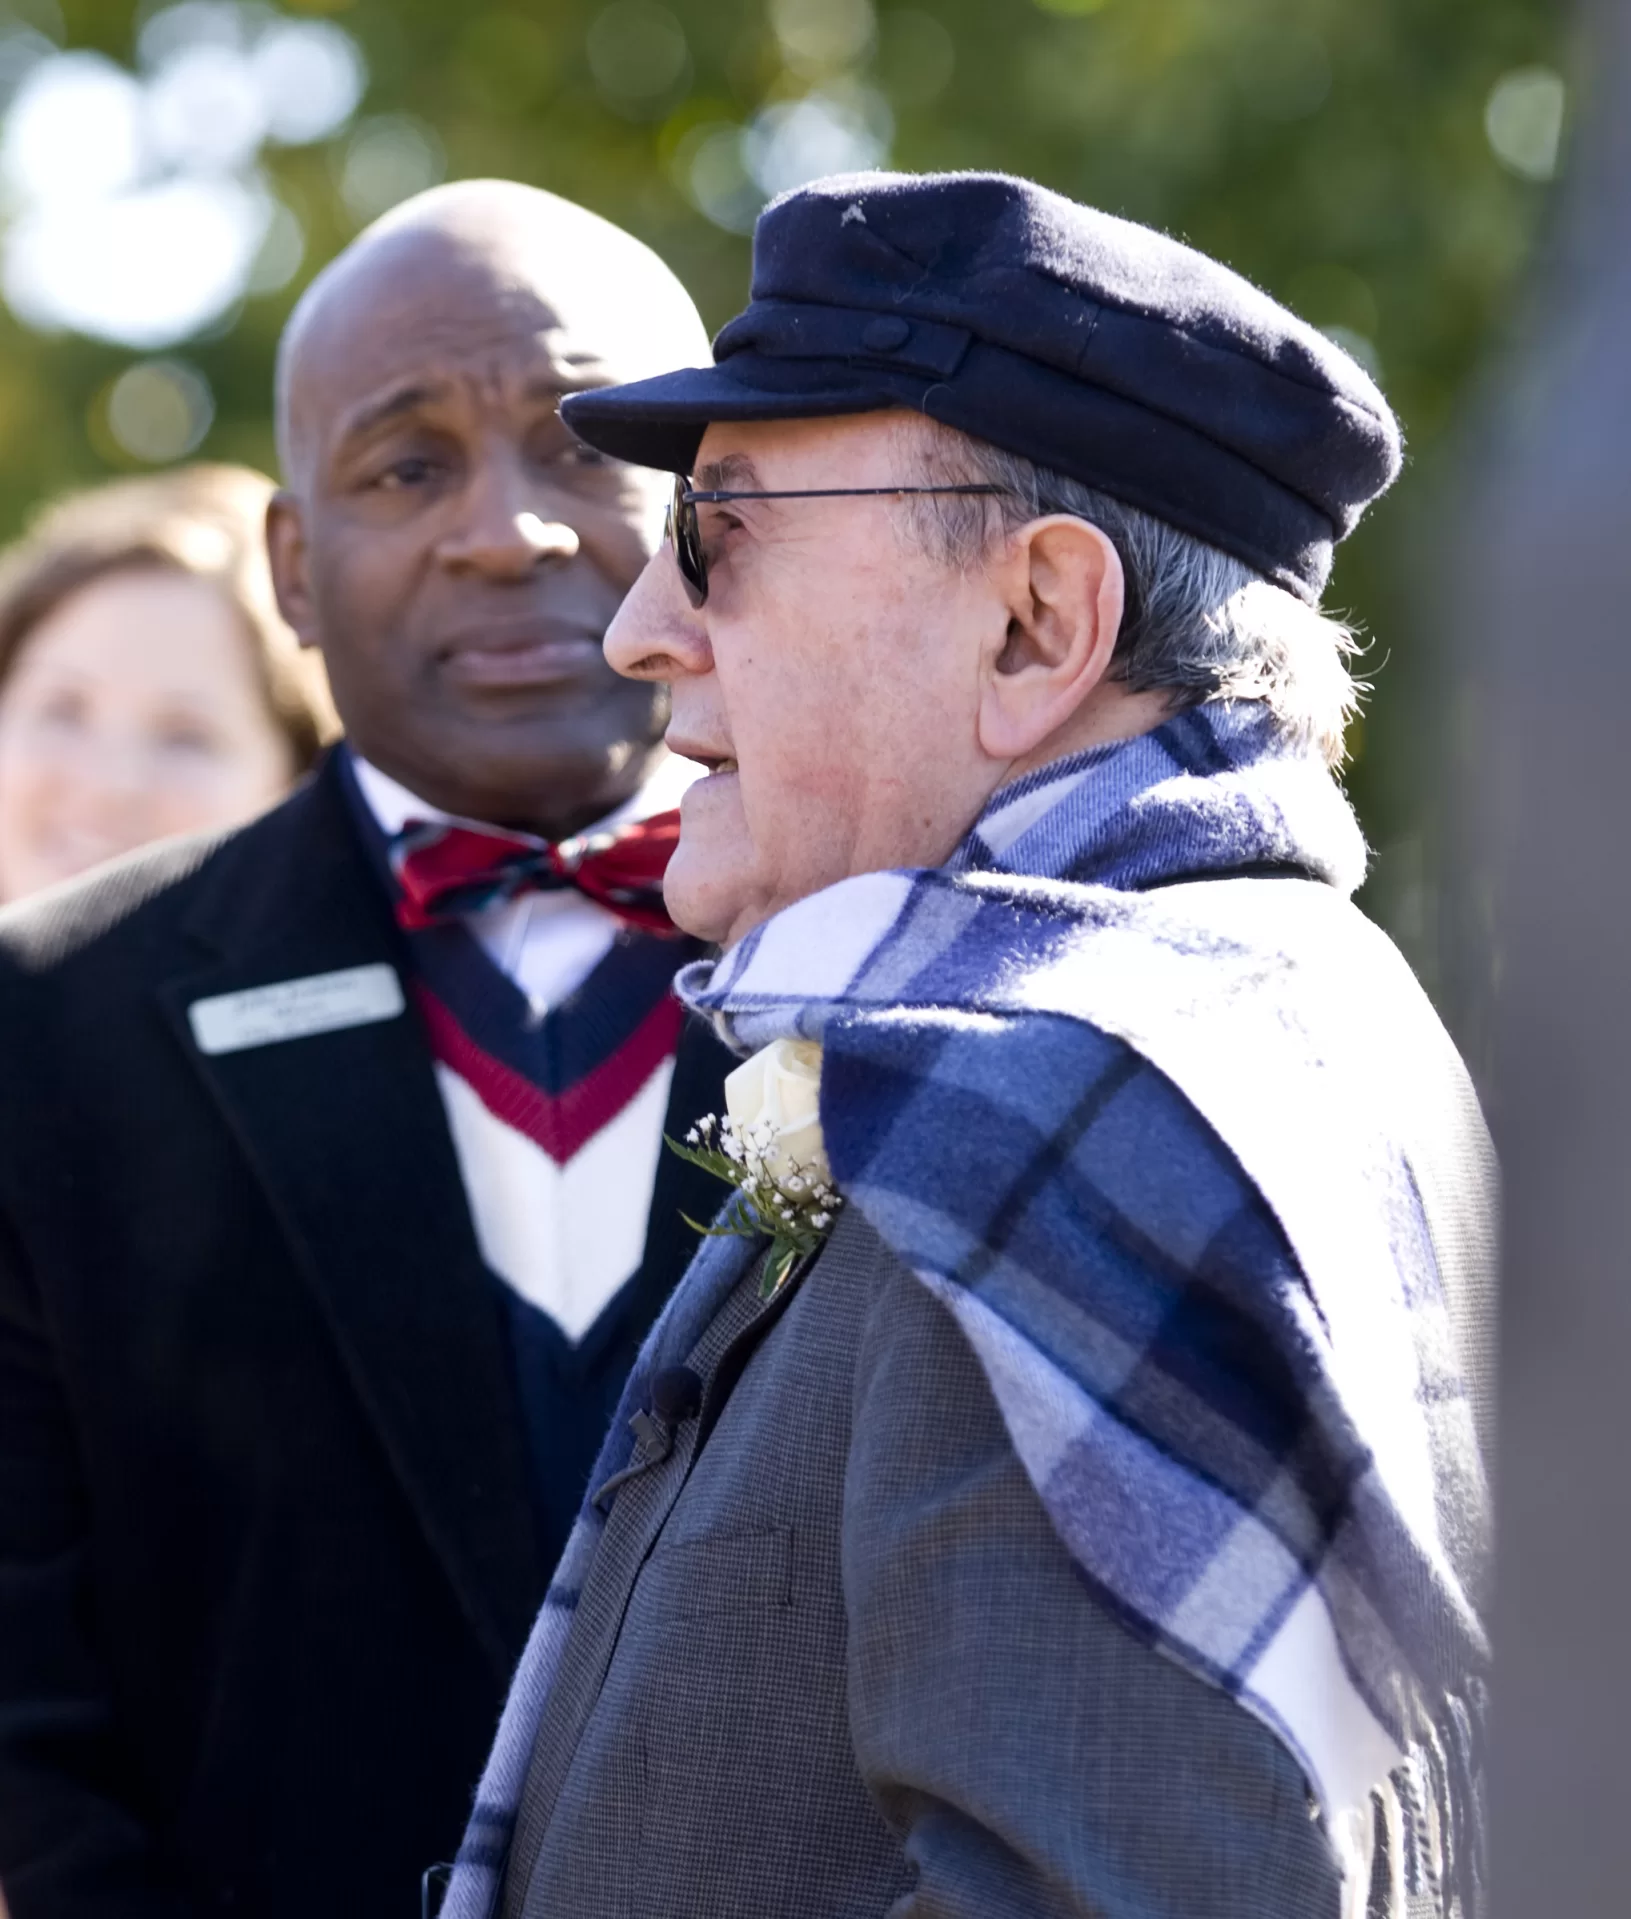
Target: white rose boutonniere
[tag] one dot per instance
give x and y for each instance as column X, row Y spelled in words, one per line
column 769, row 1147
column 776, row 1096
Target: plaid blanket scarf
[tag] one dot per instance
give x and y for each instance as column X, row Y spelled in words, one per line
column 1212, row 1298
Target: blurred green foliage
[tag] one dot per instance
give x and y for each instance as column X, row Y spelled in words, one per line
column 1333, row 150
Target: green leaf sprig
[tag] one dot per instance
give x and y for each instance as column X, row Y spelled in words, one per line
column 794, row 1206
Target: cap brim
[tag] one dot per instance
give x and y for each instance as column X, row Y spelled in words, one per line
column 660, row 422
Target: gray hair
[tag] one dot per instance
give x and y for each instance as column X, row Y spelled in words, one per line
column 1198, row 624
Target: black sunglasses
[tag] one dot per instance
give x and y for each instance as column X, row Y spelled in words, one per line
column 684, row 534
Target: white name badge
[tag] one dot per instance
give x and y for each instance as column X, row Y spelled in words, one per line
column 296, row 1008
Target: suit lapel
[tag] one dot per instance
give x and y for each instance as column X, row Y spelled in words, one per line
column 347, row 1134
column 682, row 1191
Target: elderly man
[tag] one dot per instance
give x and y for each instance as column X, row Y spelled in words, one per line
column 332, row 1200
column 1056, row 1488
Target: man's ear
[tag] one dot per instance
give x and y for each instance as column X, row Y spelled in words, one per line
column 1064, row 589
column 286, row 553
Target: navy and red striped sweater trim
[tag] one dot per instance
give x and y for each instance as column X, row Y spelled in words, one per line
column 557, row 1080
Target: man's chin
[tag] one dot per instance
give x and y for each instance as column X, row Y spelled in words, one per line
column 704, row 893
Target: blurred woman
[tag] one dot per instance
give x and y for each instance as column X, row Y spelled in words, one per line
column 147, row 684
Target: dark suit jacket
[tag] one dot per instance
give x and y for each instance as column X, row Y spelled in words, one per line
column 831, row 1659
column 267, row 1547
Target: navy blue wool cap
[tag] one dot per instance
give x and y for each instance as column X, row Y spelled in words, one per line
column 1085, row 343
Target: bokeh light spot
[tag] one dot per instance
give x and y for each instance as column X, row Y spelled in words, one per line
column 797, row 141
column 819, row 37
column 1523, row 120
column 159, row 411
column 709, row 168
column 388, row 160
column 204, row 111
column 311, row 78
column 281, row 252
column 165, row 32
column 136, row 209
column 144, row 268
column 74, row 131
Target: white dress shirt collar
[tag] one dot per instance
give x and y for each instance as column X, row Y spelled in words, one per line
column 546, row 943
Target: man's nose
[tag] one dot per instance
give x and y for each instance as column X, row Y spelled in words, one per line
column 656, row 635
column 502, row 535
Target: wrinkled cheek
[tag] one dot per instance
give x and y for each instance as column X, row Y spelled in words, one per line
column 801, row 742
column 796, row 703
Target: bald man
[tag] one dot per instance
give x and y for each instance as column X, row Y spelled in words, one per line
column 332, row 1196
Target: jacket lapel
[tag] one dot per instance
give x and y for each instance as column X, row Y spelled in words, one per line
column 682, row 1191
column 346, row 1132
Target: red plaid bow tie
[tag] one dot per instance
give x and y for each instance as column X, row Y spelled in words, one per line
column 445, row 869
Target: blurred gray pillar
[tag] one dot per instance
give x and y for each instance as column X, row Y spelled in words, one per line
column 1545, row 616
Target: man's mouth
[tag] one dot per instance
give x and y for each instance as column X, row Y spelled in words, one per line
column 521, row 653
column 714, row 763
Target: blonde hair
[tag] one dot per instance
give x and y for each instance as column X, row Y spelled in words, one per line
column 207, row 521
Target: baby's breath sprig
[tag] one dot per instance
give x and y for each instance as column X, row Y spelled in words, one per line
column 795, row 1206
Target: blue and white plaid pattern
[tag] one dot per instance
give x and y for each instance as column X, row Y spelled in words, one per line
column 1139, row 1144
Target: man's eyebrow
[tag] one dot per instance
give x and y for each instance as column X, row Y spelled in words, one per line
column 735, row 473
column 400, row 400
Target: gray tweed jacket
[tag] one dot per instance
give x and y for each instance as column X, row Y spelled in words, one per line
column 832, row 1660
